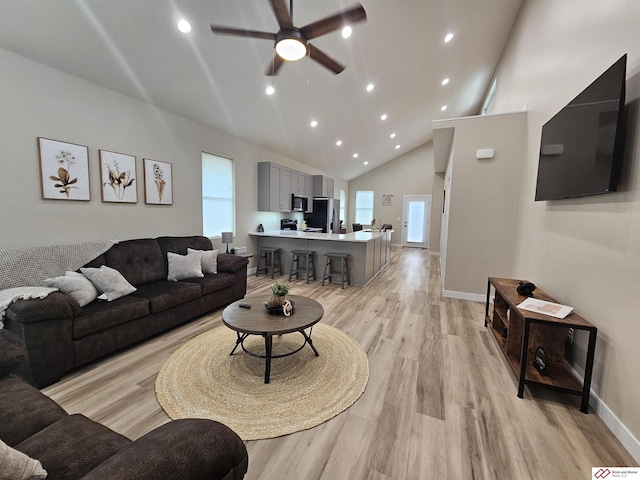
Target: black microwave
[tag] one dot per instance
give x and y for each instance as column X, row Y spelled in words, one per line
column 299, row 204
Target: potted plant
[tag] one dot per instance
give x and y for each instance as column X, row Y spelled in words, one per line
column 278, row 292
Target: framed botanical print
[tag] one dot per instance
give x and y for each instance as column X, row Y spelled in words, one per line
column 64, row 170
column 158, row 185
column 118, row 179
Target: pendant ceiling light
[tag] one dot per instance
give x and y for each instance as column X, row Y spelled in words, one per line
column 290, row 45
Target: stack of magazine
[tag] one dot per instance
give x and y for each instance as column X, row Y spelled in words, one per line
column 546, row 308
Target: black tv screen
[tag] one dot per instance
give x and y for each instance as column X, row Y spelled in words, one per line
column 582, row 145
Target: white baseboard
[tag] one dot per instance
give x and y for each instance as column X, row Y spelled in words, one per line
column 252, row 270
column 621, row 432
column 473, row 297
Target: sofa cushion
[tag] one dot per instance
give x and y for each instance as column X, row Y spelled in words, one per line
column 109, row 282
column 183, row 266
column 213, row 283
column 180, row 244
column 25, row 410
column 139, row 261
column 76, row 285
column 73, row 446
column 18, row 466
column 100, row 315
column 208, row 259
column 179, row 450
column 165, row 294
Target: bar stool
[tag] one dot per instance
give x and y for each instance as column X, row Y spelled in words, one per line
column 344, row 268
column 269, row 255
column 307, row 258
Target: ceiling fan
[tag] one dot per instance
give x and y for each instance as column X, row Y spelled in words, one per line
column 292, row 43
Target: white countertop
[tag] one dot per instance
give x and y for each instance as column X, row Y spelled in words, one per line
column 361, row 236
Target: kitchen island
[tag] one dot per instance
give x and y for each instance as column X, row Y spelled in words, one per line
column 369, row 250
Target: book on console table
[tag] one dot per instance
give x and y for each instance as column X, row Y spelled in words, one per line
column 546, row 308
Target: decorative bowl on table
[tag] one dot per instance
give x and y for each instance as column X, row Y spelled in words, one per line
column 280, row 309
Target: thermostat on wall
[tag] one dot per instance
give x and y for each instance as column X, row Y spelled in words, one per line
column 484, row 153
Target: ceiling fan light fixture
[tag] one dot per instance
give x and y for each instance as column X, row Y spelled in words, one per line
column 290, row 45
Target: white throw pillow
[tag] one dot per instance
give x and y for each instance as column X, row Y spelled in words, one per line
column 183, row 266
column 208, row 259
column 109, row 282
column 76, row 285
column 19, row 466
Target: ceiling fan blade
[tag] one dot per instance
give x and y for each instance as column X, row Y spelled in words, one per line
column 241, row 32
column 324, row 59
column 334, row 22
column 283, row 16
column 274, row 66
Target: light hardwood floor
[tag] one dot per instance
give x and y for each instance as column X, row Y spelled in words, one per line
column 440, row 403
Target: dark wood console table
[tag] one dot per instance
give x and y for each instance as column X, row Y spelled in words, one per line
column 519, row 332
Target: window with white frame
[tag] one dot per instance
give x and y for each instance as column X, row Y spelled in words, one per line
column 364, row 207
column 343, row 205
column 218, row 204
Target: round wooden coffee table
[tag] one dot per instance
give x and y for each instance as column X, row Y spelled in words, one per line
column 257, row 321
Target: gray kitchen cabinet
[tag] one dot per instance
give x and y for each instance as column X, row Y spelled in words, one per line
column 301, row 183
column 274, row 187
column 323, row 186
column 308, row 181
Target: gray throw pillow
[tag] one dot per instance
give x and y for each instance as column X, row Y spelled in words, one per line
column 19, row 466
column 183, row 266
column 76, row 285
column 208, row 259
column 109, row 282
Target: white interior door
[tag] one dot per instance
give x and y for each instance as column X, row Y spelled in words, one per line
column 416, row 221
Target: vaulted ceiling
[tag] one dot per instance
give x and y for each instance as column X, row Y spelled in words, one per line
column 134, row 47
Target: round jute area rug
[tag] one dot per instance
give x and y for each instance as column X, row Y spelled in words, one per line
column 201, row 380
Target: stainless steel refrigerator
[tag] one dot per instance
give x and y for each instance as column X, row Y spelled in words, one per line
column 325, row 215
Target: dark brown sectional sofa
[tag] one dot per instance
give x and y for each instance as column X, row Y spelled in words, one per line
column 59, row 335
column 71, row 447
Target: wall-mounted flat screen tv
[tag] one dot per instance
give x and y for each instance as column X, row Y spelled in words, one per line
column 583, row 144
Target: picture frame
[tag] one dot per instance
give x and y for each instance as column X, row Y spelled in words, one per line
column 158, row 182
column 118, row 178
column 387, row 199
column 64, row 170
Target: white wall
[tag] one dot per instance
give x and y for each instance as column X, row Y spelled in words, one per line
column 408, row 174
column 38, row 101
column 482, row 216
column 585, row 252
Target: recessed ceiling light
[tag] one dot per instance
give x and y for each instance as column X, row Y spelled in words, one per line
column 445, row 81
column 369, row 87
column 366, row 163
column 393, row 135
column 383, row 116
column 314, row 123
column 397, row 147
column 184, row 26
column 355, row 155
column 339, row 142
column 448, row 37
column 270, row 90
column 443, row 108
column 346, row 32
